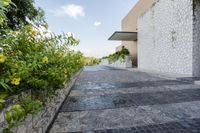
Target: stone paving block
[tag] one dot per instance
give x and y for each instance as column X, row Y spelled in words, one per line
column 127, row 100
column 98, row 86
column 95, row 92
column 171, row 127
column 128, row 117
column 107, row 100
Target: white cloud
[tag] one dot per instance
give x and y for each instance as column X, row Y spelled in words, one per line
column 97, row 23
column 71, row 10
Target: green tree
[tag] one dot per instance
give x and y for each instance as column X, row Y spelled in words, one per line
column 22, row 12
column 3, row 5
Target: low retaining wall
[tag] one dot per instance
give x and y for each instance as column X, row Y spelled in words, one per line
column 41, row 122
column 121, row 63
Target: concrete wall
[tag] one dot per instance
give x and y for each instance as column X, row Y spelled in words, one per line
column 196, row 38
column 165, row 37
column 121, row 63
column 129, row 23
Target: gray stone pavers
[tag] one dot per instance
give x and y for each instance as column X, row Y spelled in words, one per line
column 109, row 100
column 189, row 126
column 125, row 117
column 140, row 84
column 117, row 100
column 113, row 76
column 94, row 92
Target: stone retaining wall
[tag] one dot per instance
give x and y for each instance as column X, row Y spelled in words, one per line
column 41, row 122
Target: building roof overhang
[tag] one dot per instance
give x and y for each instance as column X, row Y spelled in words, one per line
column 124, row 36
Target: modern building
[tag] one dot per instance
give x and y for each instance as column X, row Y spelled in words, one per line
column 163, row 36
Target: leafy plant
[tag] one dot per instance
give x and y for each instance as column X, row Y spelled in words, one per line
column 30, row 105
column 3, row 5
column 13, row 116
column 21, row 12
column 89, row 61
column 18, row 112
column 2, row 99
column 5, row 87
column 32, row 58
column 117, row 55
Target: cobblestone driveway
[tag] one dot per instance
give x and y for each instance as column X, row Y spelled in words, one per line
column 108, row 100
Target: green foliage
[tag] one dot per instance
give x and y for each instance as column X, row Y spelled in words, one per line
column 23, row 12
column 18, row 112
column 31, row 59
column 89, row 61
column 40, row 61
column 30, row 105
column 3, row 9
column 14, row 115
column 2, row 100
column 117, row 55
column 5, row 87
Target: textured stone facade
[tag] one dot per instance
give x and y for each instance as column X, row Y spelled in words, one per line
column 129, row 23
column 165, row 38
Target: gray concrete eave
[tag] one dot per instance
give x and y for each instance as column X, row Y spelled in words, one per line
column 124, row 36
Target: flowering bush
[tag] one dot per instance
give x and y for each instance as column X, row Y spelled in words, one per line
column 36, row 60
column 30, row 59
column 33, row 61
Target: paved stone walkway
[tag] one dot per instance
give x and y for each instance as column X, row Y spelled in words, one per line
column 108, row 100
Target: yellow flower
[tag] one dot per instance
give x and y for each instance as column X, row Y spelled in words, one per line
column 2, row 58
column 14, row 33
column 16, row 81
column 33, row 33
column 45, row 59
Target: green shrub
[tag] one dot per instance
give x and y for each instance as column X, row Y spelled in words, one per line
column 38, row 61
column 13, row 116
column 33, row 60
column 90, row 61
column 117, row 55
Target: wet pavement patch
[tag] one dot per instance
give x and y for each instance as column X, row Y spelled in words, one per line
column 92, row 86
column 83, row 103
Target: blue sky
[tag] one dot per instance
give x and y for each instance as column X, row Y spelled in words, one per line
column 91, row 21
